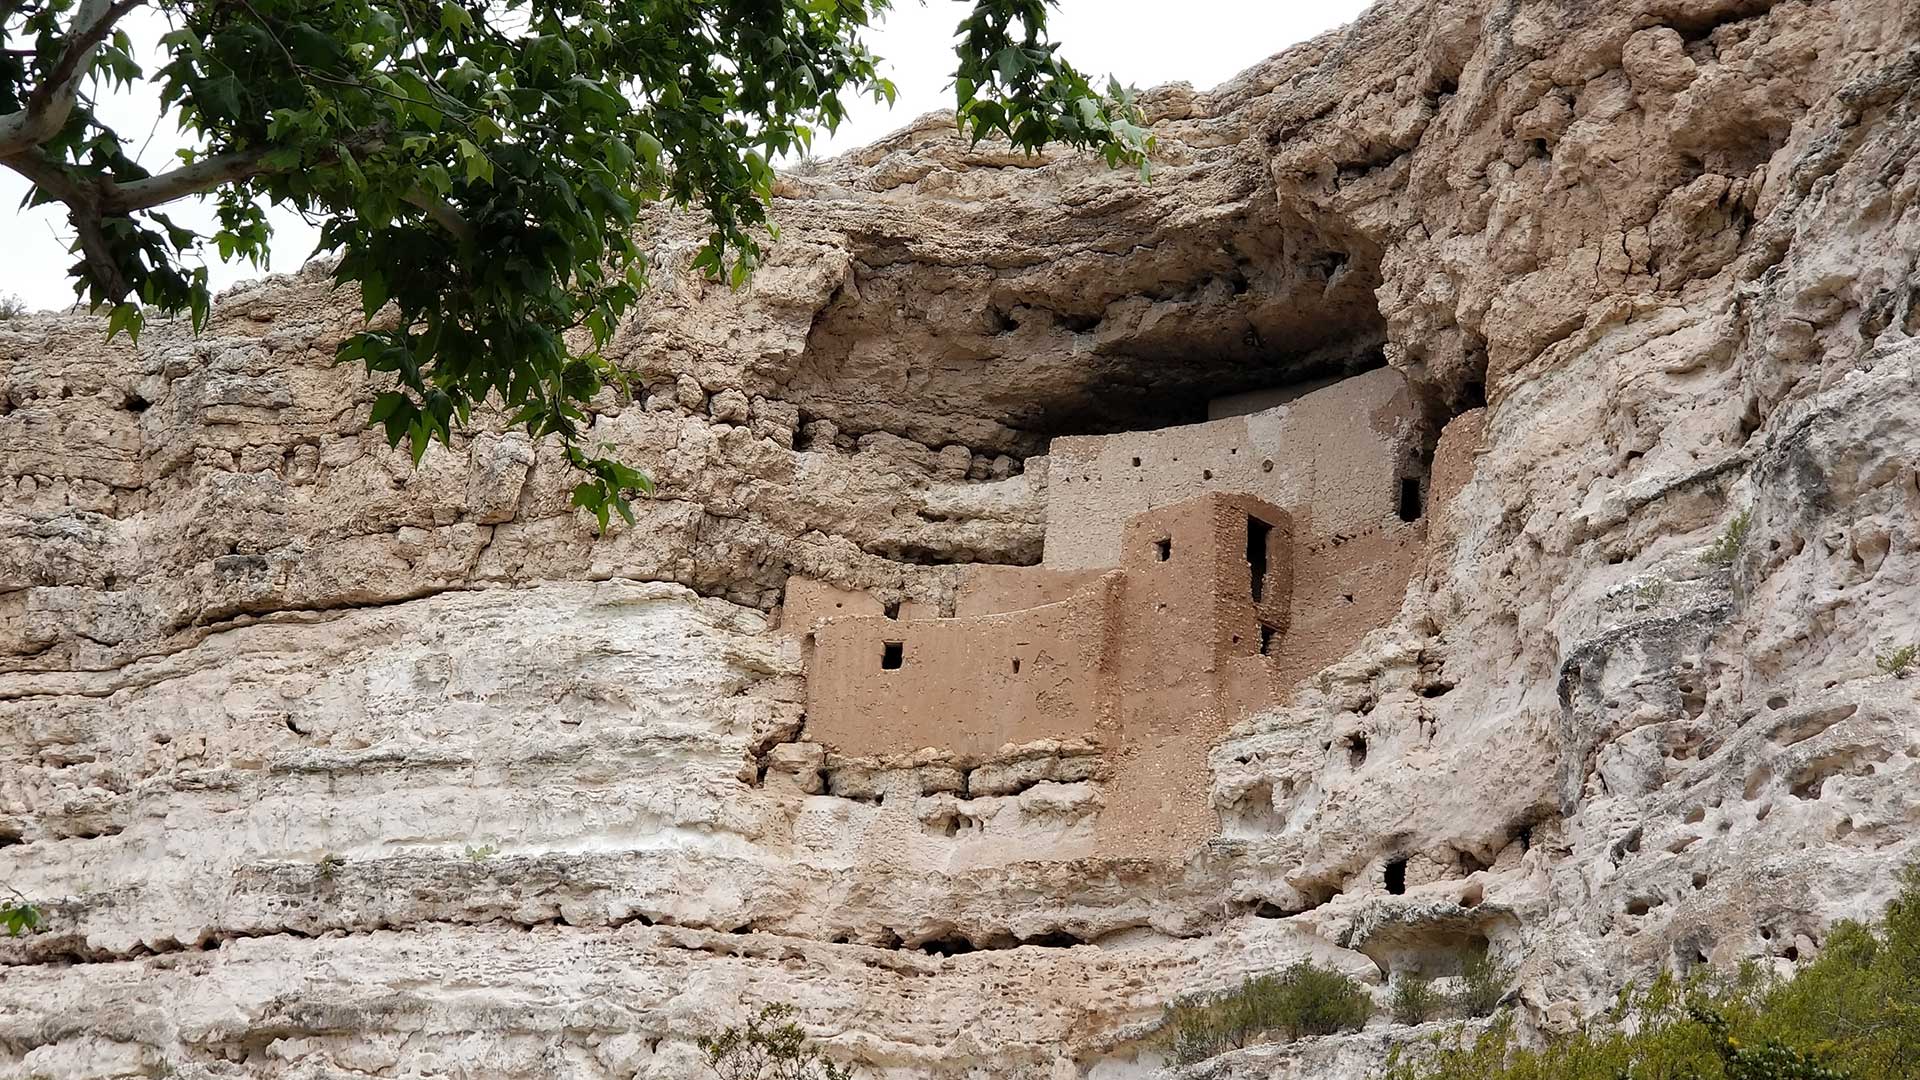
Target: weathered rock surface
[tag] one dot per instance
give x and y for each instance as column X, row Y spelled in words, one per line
column 327, row 767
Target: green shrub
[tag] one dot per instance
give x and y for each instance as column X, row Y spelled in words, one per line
column 1415, row 1001
column 1851, row 1014
column 1305, row 1000
column 769, row 1047
column 1482, row 985
column 1897, row 662
column 1723, row 551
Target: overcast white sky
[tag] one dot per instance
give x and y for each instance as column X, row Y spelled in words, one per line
column 1144, row 42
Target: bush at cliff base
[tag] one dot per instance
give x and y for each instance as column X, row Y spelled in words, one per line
column 1302, row 1001
column 1851, row 1014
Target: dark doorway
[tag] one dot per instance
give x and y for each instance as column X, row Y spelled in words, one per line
column 1257, row 534
column 1411, row 503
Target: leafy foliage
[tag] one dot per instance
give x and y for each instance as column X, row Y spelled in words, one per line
column 770, row 1046
column 18, row 916
column 1415, row 1001
column 1483, row 983
column 1897, row 662
column 1851, row 1014
column 480, row 164
column 1304, row 1000
column 1724, row 550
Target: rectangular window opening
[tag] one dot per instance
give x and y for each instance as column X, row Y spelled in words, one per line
column 1016, row 665
column 1269, row 638
column 1163, row 549
column 1258, row 533
column 892, row 654
column 1411, row 504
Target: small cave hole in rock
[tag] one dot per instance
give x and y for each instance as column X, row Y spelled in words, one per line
column 1356, row 750
column 1054, row 939
column 1136, row 463
column 137, row 404
column 1434, row 690
column 1640, row 905
column 1397, row 876
column 952, row 946
column 1258, row 533
column 1163, row 549
column 1699, row 880
column 892, row 654
column 1411, row 503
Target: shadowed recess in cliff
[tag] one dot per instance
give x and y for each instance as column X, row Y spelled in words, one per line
column 1005, row 360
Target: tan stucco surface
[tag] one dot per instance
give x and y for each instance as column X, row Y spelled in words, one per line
column 1334, row 455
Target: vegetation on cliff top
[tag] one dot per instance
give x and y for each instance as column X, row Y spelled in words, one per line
column 479, row 163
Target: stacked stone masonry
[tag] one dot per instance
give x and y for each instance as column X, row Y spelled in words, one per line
column 1164, row 612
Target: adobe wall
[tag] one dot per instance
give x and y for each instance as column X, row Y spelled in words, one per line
column 1343, row 587
column 808, row 603
column 1254, row 401
column 1453, row 458
column 988, row 589
column 1151, row 662
column 1332, row 456
column 965, row 685
column 1187, row 615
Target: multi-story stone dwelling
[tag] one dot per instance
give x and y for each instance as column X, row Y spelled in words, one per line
column 1191, row 575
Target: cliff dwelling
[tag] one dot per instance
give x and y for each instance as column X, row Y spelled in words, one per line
column 1191, row 575
column 1463, row 515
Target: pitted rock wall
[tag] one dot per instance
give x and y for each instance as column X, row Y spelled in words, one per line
column 264, row 685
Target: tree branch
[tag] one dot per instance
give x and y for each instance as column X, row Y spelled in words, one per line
column 442, row 213
column 52, row 101
column 83, row 209
column 207, row 174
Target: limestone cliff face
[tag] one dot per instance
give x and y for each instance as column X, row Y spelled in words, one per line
column 328, row 767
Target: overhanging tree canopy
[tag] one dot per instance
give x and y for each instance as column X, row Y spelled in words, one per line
column 479, row 164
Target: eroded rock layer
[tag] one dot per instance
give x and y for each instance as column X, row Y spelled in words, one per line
column 324, row 766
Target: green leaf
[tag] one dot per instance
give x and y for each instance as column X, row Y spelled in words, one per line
column 127, row 318
column 479, row 169
column 373, row 292
column 386, row 404
column 454, row 18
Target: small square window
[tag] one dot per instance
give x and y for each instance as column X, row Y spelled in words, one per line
column 892, row 654
column 1163, row 549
